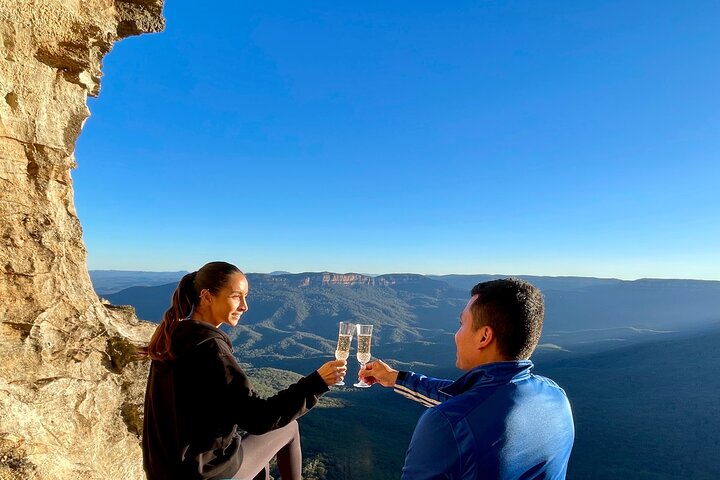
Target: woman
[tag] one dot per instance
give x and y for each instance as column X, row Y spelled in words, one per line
column 199, row 402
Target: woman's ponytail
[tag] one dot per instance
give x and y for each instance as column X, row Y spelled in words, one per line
column 183, row 300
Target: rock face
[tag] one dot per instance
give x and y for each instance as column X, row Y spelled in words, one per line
column 70, row 397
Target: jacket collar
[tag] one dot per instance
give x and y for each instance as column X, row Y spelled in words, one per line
column 490, row 374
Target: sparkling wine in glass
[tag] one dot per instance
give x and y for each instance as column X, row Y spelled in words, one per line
column 342, row 351
column 364, row 339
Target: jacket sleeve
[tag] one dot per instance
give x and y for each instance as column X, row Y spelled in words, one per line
column 433, row 452
column 422, row 389
column 257, row 415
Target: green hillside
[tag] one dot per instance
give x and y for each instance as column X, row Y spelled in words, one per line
column 295, row 316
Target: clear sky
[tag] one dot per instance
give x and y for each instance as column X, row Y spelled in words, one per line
column 516, row 137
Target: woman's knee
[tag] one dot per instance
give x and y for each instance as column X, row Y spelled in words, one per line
column 295, row 428
column 293, row 431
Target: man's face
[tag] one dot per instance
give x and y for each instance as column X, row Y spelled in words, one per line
column 467, row 340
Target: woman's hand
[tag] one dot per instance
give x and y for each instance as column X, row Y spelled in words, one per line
column 378, row 372
column 333, row 372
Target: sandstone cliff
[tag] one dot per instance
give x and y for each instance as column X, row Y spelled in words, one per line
column 349, row 279
column 69, row 399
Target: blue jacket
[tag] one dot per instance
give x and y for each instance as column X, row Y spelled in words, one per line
column 498, row 421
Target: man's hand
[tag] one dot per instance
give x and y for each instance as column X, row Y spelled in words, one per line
column 378, row 372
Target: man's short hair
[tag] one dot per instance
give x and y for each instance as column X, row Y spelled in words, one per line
column 514, row 309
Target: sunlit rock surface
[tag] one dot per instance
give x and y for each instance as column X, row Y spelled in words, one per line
column 69, row 398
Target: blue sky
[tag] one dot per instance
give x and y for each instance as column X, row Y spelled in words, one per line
column 519, row 137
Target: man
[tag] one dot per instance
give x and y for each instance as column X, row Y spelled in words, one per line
column 499, row 420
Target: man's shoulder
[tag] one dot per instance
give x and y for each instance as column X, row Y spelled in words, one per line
column 547, row 384
column 542, row 379
column 462, row 405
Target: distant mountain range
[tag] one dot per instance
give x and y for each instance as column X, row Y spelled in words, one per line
column 111, row 281
column 296, row 315
column 637, row 359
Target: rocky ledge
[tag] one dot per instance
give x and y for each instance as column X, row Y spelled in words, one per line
column 70, row 387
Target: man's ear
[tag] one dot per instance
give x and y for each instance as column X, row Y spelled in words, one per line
column 485, row 336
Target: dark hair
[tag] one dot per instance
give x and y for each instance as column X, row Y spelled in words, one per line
column 212, row 276
column 514, row 309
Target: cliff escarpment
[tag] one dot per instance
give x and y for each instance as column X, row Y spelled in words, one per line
column 351, row 279
column 70, row 396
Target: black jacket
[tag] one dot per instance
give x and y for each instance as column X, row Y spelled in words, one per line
column 196, row 403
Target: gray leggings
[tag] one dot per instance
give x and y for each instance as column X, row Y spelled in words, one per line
column 258, row 450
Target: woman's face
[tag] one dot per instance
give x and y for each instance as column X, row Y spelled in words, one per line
column 229, row 303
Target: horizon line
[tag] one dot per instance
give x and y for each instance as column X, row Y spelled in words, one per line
column 508, row 275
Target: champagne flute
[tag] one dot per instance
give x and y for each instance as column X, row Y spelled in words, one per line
column 364, row 338
column 342, row 351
